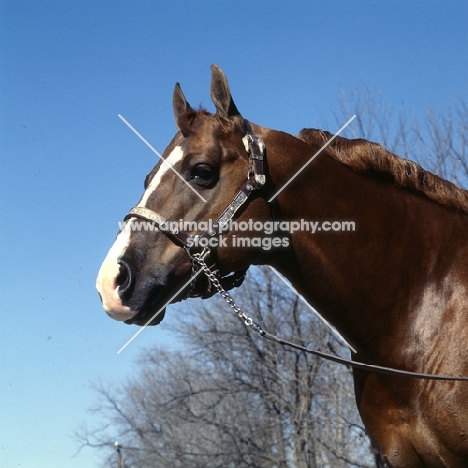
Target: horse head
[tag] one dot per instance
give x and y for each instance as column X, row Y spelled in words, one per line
column 203, row 168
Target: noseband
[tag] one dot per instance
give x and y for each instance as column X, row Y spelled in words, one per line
column 255, row 181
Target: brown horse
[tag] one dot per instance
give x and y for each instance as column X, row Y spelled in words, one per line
column 396, row 286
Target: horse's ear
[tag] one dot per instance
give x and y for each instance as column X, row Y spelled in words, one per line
column 179, row 103
column 221, row 95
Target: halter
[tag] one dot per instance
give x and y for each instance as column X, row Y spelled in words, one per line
column 255, row 181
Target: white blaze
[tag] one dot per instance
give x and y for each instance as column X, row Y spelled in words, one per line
column 176, row 155
column 106, row 282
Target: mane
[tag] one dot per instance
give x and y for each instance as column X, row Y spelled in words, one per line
column 371, row 158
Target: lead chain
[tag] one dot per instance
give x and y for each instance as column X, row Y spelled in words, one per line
column 248, row 321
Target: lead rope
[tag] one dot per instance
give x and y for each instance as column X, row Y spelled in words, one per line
column 249, row 322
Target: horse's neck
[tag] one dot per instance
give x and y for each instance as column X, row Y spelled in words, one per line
column 363, row 280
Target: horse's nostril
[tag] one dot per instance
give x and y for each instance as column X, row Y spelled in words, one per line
column 124, row 280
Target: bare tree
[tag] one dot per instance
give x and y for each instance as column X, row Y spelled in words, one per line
column 231, row 399
column 442, row 142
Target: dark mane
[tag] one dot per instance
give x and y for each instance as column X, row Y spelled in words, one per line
column 371, row 158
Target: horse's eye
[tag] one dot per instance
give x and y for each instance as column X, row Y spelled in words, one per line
column 204, row 175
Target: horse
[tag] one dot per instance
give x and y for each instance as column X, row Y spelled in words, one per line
column 395, row 286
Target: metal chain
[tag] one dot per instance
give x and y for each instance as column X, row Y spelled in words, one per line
column 248, row 321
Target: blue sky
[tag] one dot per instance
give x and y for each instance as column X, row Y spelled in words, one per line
column 70, row 169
